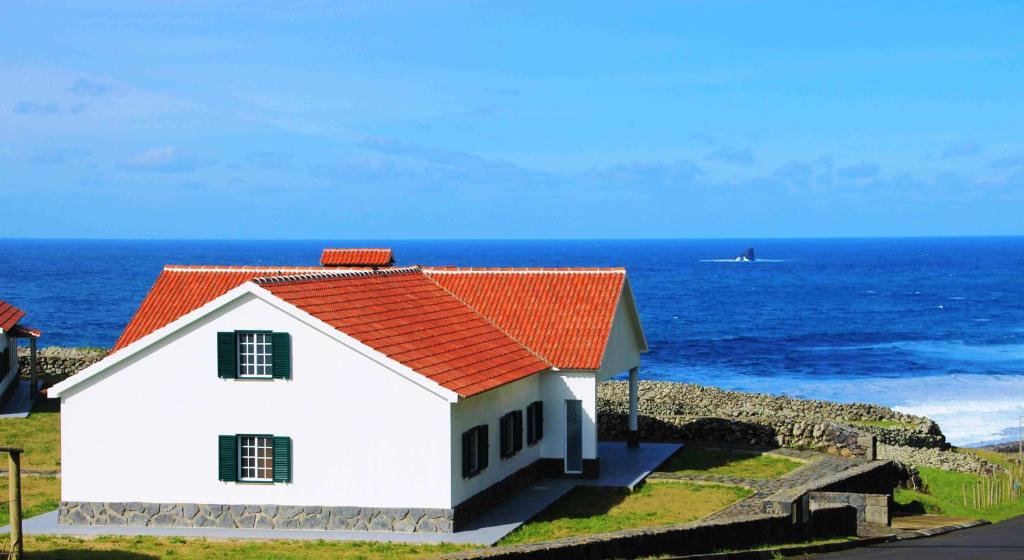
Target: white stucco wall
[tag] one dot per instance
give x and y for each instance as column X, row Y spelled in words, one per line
column 488, row 408
column 362, row 435
column 559, row 386
column 624, row 346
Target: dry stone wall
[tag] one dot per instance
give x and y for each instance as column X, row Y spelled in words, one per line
column 59, row 361
column 795, row 422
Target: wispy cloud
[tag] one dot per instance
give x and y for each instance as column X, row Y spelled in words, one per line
column 730, row 154
column 33, row 108
column 961, row 150
column 859, row 171
column 1013, row 160
column 164, row 160
column 271, row 161
column 483, row 111
column 90, row 88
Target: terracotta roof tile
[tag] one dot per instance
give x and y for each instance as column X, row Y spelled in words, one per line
column 356, row 257
column 563, row 314
column 9, row 315
column 409, row 318
column 182, row 289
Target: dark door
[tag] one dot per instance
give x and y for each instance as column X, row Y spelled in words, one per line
column 573, row 436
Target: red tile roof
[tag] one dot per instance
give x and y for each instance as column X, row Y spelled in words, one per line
column 468, row 329
column 182, row 289
column 412, row 320
column 356, row 257
column 9, row 315
column 564, row 314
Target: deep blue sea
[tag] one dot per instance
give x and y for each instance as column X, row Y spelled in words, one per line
column 930, row 326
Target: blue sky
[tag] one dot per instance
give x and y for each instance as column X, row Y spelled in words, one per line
column 511, row 120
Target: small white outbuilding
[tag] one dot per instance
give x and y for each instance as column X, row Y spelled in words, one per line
column 349, row 396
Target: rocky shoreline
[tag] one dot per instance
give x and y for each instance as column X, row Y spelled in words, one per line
column 684, row 411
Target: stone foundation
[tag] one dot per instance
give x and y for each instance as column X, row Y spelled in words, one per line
column 871, row 508
column 136, row 514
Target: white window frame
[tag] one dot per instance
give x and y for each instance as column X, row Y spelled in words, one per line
column 268, row 445
column 262, row 345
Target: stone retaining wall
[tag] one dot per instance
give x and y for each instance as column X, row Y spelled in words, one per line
column 936, row 459
column 819, row 435
column 137, row 514
column 666, row 399
column 693, row 538
column 871, row 508
column 58, row 361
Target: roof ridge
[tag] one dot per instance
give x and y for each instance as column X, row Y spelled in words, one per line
column 524, row 270
column 237, row 268
column 329, row 273
column 492, row 322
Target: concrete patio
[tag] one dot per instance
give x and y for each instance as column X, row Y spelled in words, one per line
column 621, row 467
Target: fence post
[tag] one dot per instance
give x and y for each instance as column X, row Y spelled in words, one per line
column 14, row 483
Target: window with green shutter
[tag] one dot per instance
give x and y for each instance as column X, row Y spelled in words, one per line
column 254, row 355
column 259, row 458
column 474, row 451
column 511, row 433
column 534, row 422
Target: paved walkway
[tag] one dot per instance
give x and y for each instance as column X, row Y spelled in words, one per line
column 818, row 466
column 20, row 404
column 621, row 467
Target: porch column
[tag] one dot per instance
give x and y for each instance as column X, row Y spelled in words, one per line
column 633, row 438
column 32, row 367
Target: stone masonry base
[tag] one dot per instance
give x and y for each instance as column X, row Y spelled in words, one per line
column 136, row 514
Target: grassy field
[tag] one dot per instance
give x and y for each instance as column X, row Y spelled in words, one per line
column 587, row 510
column 38, row 435
column 140, row 548
column 727, row 462
column 946, row 497
column 39, row 494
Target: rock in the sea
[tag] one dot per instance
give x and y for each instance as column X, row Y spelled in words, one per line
column 747, row 256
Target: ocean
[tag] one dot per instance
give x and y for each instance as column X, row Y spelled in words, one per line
column 928, row 326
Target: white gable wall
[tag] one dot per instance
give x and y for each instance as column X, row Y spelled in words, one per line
column 624, row 342
column 362, row 435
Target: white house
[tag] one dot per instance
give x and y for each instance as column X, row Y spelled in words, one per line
column 383, row 398
column 11, row 330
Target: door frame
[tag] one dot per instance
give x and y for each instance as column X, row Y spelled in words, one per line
column 565, row 458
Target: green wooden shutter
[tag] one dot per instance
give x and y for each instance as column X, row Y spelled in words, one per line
column 466, row 450
column 539, row 428
column 227, row 467
column 281, row 349
column 503, row 436
column 482, row 448
column 517, row 431
column 282, row 459
column 227, row 355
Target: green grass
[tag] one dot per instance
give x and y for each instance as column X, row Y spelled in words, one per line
column 946, row 497
column 39, row 494
column 588, row 510
column 38, row 435
column 885, row 424
column 139, row 548
column 728, row 462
